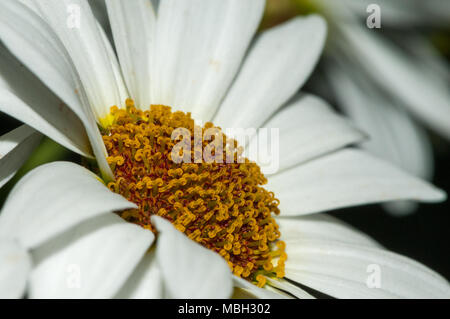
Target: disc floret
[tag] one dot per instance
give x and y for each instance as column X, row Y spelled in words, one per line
column 222, row 206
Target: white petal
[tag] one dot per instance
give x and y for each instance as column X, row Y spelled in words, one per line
column 190, row 270
column 92, row 260
column 24, row 97
column 146, row 281
column 61, row 195
column 261, row 293
column 346, row 178
column 426, row 95
column 15, row 264
column 133, row 25
column 278, row 64
column 37, row 47
column 30, row 39
column 199, row 48
column 324, row 227
column 85, row 45
column 308, row 128
column 393, row 134
column 286, row 286
column 15, row 148
column 349, row 270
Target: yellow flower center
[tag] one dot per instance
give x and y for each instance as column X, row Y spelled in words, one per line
column 222, row 206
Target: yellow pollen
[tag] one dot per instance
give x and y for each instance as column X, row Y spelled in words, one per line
column 222, row 206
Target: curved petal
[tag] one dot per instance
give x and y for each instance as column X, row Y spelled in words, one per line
column 199, row 47
column 15, row 148
column 25, row 98
column 189, row 270
column 15, row 264
column 350, row 270
column 61, row 195
column 280, row 62
column 346, row 178
column 133, row 25
column 324, row 227
column 308, row 128
column 261, row 293
column 286, row 286
column 84, row 44
column 32, row 41
column 146, row 282
column 92, row 260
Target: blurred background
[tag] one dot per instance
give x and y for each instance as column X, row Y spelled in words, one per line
column 386, row 67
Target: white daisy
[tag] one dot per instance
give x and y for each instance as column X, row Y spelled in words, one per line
column 58, row 237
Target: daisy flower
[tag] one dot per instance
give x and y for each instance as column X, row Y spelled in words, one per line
column 390, row 89
column 67, row 233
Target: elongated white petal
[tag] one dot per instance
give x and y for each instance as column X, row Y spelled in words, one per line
column 53, row 198
column 278, row 64
column 345, row 270
column 15, row 264
column 92, row 260
column 121, row 88
column 308, row 128
column 133, row 24
column 425, row 94
column 286, row 286
column 189, row 270
column 74, row 23
column 146, row 282
column 261, row 293
column 324, row 227
column 24, row 97
column 199, row 47
column 346, row 178
column 15, row 148
column 37, row 47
